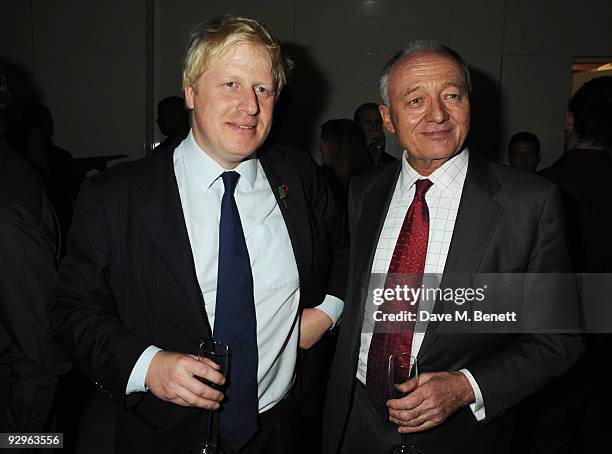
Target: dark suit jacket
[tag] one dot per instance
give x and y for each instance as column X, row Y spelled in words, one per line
column 31, row 368
column 129, row 281
column 585, row 179
column 508, row 221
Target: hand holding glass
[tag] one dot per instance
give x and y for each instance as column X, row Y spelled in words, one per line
column 402, row 367
column 219, row 353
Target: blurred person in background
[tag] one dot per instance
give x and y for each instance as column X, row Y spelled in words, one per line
column 368, row 118
column 31, row 364
column 343, row 154
column 55, row 165
column 524, row 151
column 173, row 122
column 572, row 415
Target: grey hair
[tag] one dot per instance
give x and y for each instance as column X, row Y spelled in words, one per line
column 421, row 47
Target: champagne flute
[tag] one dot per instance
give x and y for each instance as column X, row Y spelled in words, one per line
column 402, row 367
column 219, row 353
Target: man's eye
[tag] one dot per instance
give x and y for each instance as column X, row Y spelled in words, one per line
column 262, row 91
column 453, row 96
column 230, row 84
column 415, row 101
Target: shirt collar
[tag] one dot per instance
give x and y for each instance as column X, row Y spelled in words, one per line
column 450, row 176
column 204, row 170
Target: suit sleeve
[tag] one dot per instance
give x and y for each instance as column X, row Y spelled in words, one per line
column 27, row 277
column 331, row 219
column 532, row 360
column 83, row 310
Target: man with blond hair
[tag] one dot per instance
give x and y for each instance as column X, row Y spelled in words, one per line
column 220, row 238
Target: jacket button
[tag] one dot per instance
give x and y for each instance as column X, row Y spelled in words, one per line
column 347, row 394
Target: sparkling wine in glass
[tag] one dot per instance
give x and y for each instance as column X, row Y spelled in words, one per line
column 219, row 353
column 402, row 367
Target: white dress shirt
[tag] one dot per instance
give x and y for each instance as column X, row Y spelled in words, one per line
column 443, row 202
column 275, row 274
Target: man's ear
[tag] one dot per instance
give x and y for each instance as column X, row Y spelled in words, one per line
column 568, row 123
column 386, row 118
column 189, row 96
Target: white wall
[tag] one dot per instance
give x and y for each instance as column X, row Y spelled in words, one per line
column 89, row 59
column 520, row 51
column 85, row 53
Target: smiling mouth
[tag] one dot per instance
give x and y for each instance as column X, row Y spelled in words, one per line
column 243, row 127
column 437, row 134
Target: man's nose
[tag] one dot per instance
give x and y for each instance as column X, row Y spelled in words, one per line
column 437, row 112
column 249, row 103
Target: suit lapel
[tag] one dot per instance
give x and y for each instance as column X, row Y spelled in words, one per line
column 164, row 222
column 476, row 221
column 372, row 218
column 370, row 221
column 293, row 207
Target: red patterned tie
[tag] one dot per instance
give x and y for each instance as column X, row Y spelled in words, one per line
column 396, row 337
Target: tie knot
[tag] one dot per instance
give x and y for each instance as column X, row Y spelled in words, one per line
column 230, row 179
column 422, row 186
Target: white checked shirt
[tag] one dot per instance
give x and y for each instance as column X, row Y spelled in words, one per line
column 443, row 202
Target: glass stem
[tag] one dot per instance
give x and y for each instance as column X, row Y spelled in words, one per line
column 214, row 427
column 208, row 435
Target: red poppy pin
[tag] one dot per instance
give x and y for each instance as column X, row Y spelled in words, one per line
column 283, row 192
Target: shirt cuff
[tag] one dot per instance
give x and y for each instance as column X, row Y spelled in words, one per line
column 477, row 407
column 136, row 382
column 333, row 307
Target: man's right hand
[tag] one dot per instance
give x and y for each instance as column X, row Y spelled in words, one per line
column 172, row 377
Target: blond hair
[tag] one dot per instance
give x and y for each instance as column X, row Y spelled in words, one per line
column 211, row 40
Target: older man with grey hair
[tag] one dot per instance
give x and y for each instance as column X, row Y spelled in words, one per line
column 442, row 209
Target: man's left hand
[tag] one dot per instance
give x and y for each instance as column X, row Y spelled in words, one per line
column 314, row 323
column 438, row 395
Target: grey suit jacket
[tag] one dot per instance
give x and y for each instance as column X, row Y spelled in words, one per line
column 508, row 221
